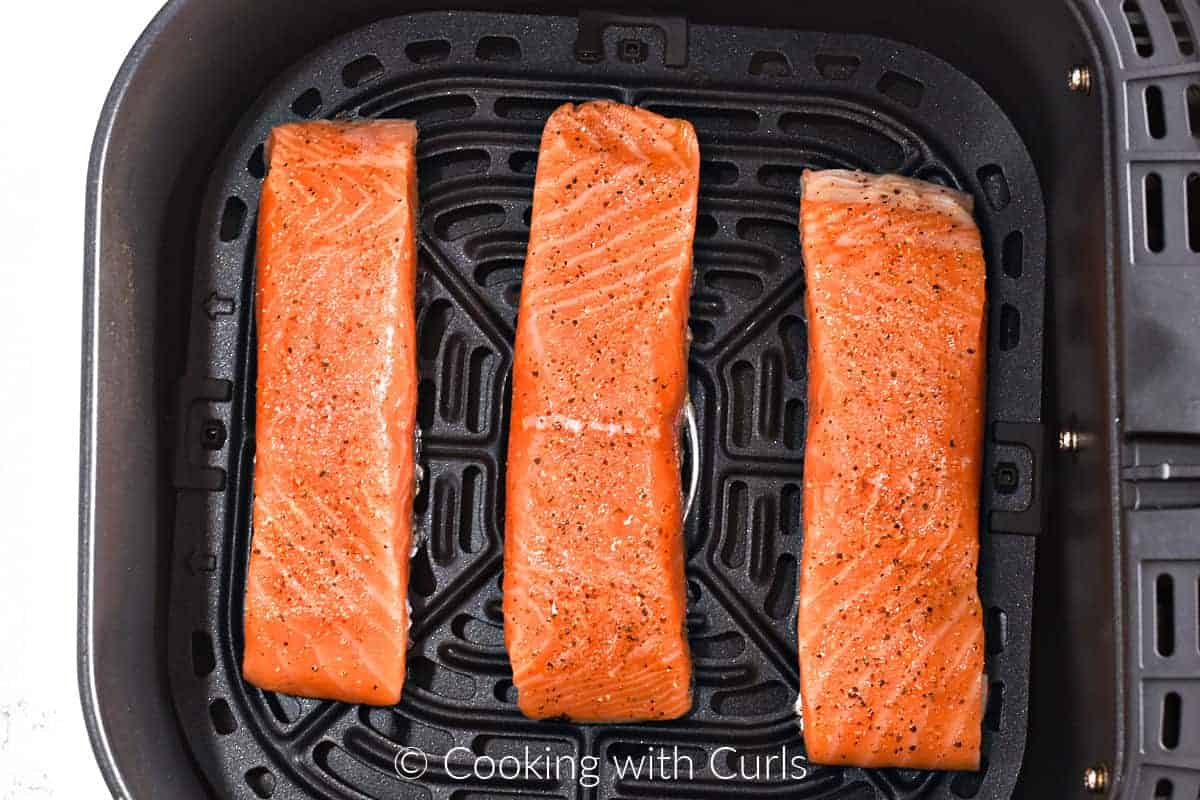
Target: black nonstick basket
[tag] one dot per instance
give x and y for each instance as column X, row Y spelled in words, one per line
column 1076, row 126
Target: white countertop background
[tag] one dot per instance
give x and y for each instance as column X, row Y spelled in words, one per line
column 57, row 61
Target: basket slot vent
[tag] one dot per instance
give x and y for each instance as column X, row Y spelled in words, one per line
column 1138, row 29
column 770, row 63
column 452, row 164
column 1156, row 117
column 285, row 707
column 1193, row 109
column 780, row 176
column 1163, row 789
column 709, row 119
column 967, row 784
column 758, row 700
column 1011, row 254
column 427, row 111
column 362, row 71
column 1180, row 27
column 1172, row 713
column 901, row 88
column 422, row 581
column 996, row 630
column 995, row 186
column 1164, row 615
column 1152, row 190
column 523, row 162
column 222, row 717
column 428, row 51
column 777, row 235
column 498, row 48
column 782, row 594
column 261, row 781
column 232, row 219
column 795, row 349
column 873, row 149
column 1192, row 193
column 706, row 226
column 836, row 66
column 204, row 660
column 460, row 222
column 307, row 104
column 718, row 173
column 733, row 544
column 770, row 367
column 256, row 165
column 527, row 109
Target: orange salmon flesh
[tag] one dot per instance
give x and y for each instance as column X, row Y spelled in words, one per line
column 890, row 626
column 594, row 594
column 326, row 592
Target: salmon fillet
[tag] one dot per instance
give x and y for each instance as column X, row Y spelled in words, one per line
column 594, row 594
column 326, row 591
column 890, row 627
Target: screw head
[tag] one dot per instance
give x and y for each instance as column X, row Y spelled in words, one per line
column 1079, row 79
column 1095, row 779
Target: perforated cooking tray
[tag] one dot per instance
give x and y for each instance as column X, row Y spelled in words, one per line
column 766, row 105
column 1104, row 93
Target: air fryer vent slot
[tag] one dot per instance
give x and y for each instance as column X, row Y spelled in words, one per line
column 1193, row 211
column 1164, row 614
column 261, row 781
column 1138, row 28
column 361, row 71
column 498, row 48
column 1156, row 118
column 1172, row 711
column 1193, row 109
column 1179, row 26
column 1152, row 189
column 427, row 52
column 307, row 104
column 902, row 88
column 770, row 62
column 837, row 66
column 480, row 87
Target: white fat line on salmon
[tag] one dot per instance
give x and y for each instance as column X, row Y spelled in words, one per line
column 561, row 422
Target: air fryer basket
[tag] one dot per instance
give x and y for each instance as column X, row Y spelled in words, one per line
column 168, row 401
column 480, row 87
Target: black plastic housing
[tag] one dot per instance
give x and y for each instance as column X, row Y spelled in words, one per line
column 1120, row 356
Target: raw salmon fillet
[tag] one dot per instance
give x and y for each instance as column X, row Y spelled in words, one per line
column 594, row 594
column 890, row 628
column 326, row 593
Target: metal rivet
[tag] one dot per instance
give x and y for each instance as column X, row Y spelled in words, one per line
column 1068, row 441
column 1079, row 79
column 1095, row 779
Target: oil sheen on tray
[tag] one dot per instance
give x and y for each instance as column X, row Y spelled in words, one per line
column 890, row 627
column 326, row 592
column 594, row 595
